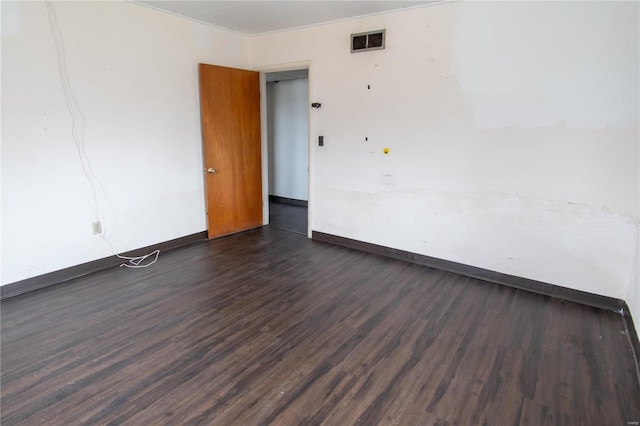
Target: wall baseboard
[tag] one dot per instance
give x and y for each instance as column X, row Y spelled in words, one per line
column 291, row 201
column 62, row 275
column 569, row 294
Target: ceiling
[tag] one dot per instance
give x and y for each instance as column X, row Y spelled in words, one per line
column 257, row 17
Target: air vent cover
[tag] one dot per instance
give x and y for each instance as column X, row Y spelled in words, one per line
column 372, row 40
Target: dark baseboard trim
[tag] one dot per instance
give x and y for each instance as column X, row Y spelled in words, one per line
column 590, row 299
column 290, row 201
column 62, row 275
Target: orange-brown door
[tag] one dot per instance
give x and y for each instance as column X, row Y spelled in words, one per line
column 230, row 117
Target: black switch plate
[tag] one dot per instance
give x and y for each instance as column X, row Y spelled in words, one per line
column 320, row 140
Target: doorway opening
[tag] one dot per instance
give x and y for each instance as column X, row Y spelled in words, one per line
column 287, row 105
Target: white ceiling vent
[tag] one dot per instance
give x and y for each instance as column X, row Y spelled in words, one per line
column 372, row 40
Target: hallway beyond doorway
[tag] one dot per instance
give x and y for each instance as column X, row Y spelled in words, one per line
column 288, row 217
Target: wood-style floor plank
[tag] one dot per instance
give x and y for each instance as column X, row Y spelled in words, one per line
column 268, row 327
column 288, row 217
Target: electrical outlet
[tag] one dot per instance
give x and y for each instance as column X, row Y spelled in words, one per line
column 97, row 227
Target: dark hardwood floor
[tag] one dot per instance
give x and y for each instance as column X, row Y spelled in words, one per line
column 268, row 327
column 288, row 217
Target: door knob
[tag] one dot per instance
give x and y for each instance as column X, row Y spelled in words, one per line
column 210, row 170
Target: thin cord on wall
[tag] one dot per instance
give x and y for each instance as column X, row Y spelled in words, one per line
column 72, row 104
column 77, row 134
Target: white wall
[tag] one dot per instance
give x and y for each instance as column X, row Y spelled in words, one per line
column 288, row 127
column 633, row 291
column 133, row 71
column 512, row 128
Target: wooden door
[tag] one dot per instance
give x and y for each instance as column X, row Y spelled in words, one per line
column 230, row 117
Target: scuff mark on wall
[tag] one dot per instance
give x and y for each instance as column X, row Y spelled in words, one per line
column 504, row 232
